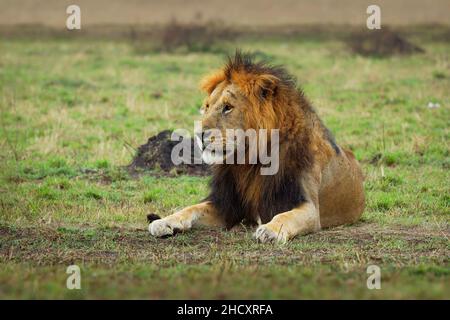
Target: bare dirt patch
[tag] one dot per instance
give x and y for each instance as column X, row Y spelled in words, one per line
column 356, row 244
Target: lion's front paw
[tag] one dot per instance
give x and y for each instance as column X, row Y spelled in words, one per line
column 266, row 233
column 163, row 228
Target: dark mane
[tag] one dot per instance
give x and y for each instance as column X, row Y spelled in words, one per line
column 278, row 193
column 245, row 62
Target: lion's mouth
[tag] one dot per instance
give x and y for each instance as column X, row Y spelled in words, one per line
column 214, row 152
column 210, row 157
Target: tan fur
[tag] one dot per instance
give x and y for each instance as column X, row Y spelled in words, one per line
column 330, row 177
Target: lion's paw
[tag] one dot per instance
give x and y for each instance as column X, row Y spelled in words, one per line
column 265, row 234
column 163, row 228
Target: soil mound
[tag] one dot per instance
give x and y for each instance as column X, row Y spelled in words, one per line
column 155, row 156
column 382, row 43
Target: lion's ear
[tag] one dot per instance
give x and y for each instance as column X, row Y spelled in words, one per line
column 210, row 82
column 266, row 85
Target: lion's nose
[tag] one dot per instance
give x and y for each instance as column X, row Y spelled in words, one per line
column 202, row 137
column 206, row 136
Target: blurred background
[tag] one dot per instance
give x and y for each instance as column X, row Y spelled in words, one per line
column 232, row 12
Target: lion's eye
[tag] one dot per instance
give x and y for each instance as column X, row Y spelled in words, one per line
column 227, row 109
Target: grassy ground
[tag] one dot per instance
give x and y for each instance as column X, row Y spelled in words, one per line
column 72, row 112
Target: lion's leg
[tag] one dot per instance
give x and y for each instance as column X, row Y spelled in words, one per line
column 200, row 214
column 284, row 226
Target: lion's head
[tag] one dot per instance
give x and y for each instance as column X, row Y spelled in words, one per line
column 247, row 95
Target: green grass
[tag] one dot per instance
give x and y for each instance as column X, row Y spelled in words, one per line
column 70, row 110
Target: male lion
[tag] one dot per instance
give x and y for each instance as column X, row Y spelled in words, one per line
column 318, row 184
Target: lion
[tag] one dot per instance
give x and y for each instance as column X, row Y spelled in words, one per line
column 318, row 183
